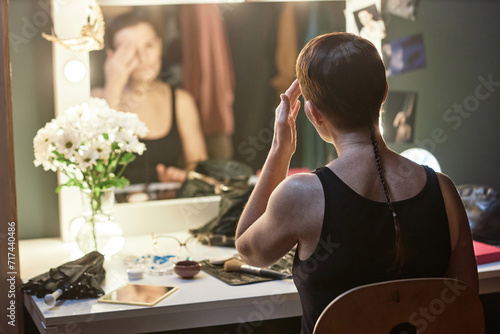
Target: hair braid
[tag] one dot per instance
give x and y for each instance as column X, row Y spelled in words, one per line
column 399, row 257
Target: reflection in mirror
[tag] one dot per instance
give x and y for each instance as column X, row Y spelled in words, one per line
column 230, row 62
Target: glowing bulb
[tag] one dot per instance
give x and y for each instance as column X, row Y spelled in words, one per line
column 74, row 71
column 423, row 157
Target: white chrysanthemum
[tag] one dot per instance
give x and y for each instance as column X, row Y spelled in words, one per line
column 42, row 144
column 87, row 157
column 103, row 149
column 84, row 134
column 122, row 138
column 67, row 143
column 91, row 126
column 131, row 122
column 69, row 120
column 133, row 145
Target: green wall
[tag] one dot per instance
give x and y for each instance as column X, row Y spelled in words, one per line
column 461, row 41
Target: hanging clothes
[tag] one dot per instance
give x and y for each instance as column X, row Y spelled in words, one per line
column 207, row 67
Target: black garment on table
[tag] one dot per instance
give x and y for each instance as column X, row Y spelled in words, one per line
column 357, row 240
column 166, row 150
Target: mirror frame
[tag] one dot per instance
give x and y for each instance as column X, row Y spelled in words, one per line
column 182, row 213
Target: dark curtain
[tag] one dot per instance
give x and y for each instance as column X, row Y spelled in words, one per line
column 251, row 30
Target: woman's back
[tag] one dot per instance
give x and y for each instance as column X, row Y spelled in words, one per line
column 356, row 244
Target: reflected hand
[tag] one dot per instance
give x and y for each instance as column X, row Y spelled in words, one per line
column 285, row 132
column 170, row 174
column 119, row 65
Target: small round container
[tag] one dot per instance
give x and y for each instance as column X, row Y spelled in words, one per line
column 134, row 273
column 187, row 269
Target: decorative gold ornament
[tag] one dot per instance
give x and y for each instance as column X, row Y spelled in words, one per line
column 91, row 36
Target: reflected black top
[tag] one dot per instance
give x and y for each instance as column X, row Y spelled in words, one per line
column 357, row 242
column 166, row 150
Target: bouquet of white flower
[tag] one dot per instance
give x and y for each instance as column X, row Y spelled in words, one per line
column 91, row 144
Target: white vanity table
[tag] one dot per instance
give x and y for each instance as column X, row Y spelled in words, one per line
column 200, row 302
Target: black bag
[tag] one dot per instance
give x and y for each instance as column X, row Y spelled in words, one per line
column 229, row 179
column 212, row 177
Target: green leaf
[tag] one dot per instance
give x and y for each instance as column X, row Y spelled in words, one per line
column 100, row 167
column 70, row 183
column 127, row 158
column 122, row 182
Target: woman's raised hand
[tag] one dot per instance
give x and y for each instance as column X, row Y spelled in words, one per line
column 285, row 133
column 118, row 67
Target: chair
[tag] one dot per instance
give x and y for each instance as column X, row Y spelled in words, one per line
column 409, row 306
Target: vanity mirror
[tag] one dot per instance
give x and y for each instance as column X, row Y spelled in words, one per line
column 257, row 51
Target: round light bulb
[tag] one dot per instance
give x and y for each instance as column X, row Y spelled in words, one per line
column 422, row 157
column 74, row 71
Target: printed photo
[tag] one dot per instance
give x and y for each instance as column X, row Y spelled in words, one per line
column 370, row 23
column 399, row 116
column 404, row 54
column 402, row 8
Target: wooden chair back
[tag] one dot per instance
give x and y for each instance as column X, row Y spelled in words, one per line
column 410, row 306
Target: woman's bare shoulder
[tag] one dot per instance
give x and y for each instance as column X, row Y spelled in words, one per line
column 446, row 184
column 183, row 96
column 298, row 192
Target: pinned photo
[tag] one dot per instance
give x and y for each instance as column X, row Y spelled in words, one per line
column 370, row 23
column 402, row 8
column 404, row 54
column 399, row 117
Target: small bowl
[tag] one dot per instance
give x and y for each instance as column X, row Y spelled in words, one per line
column 187, row 269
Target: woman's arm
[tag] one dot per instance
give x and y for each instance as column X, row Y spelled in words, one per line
column 262, row 236
column 463, row 261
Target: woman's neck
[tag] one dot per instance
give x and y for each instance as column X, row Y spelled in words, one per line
column 142, row 86
column 356, row 141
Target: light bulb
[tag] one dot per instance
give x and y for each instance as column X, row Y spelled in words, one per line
column 422, row 157
column 74, row 71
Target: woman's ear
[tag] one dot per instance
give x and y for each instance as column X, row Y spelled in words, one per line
column 386, row 91
column 313, row 114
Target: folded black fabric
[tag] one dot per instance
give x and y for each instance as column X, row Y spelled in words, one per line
column 79, row 279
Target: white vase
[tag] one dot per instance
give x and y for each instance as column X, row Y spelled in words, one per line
column 100, row 232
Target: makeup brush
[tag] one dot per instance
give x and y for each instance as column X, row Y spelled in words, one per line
column 236, row 265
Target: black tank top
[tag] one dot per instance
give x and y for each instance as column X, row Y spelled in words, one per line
column 166, row 150
column 357, row 241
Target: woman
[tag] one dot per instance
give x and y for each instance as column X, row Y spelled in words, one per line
column 368, row 216
column 175, row 140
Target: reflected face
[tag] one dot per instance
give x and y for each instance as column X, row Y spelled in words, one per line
column 365, row 17
column 148, row 50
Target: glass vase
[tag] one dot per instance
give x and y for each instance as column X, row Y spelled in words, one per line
column 99, row 232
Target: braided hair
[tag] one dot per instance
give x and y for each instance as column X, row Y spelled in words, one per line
column 344, row 76
column 399, row 250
